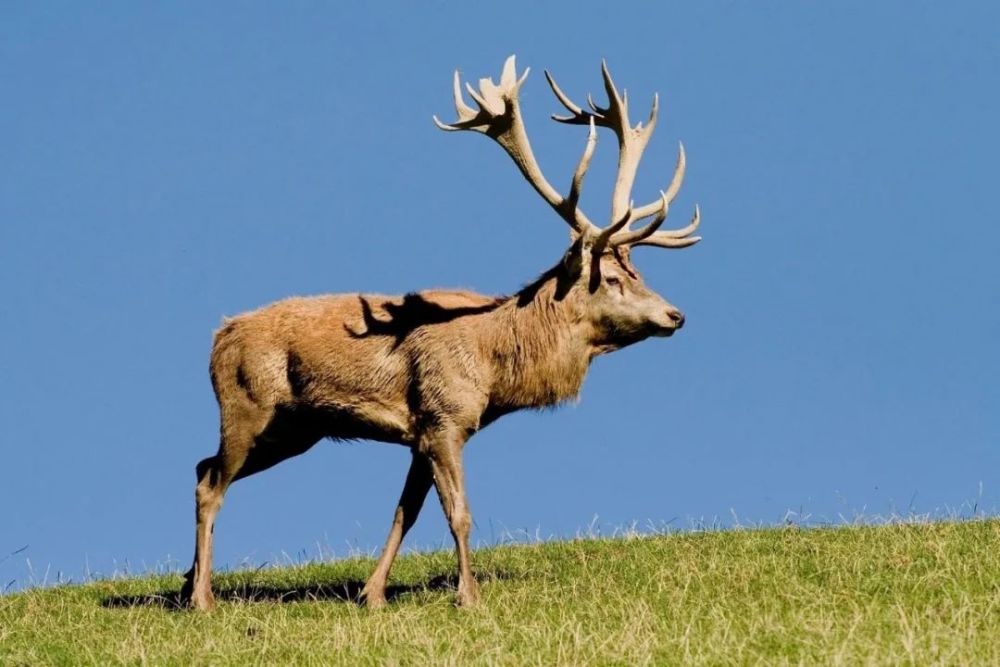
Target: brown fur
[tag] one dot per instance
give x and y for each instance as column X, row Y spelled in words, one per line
column 426, row 370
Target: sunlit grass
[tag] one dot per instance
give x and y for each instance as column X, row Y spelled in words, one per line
column 919, row 594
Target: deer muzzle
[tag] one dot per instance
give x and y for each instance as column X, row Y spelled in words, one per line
column 670, row 321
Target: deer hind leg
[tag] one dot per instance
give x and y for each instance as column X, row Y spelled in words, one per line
column 214, row 476
column 197, row 589
column 241, row 428
column 445, row 455
column 418, row 483
column 260, row 443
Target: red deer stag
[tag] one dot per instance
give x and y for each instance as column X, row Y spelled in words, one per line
column 429, row 369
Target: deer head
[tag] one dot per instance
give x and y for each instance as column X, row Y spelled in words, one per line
column 597, row 270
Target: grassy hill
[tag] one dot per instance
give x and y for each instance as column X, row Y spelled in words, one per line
column 922, row 594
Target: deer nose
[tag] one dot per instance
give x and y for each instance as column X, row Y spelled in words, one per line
column 677, row 317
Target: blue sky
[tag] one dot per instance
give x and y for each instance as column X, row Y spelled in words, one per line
column 164, row 166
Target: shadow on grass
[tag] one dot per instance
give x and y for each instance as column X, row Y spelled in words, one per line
column 348, row 591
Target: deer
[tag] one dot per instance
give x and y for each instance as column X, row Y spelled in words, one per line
column 429, row 369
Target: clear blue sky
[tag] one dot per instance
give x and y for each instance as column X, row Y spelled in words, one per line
column 164, row 166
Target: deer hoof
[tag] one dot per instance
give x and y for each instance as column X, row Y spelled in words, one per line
column 375, row 601
column 468, row 596
column 202, row 602
column 373, row 594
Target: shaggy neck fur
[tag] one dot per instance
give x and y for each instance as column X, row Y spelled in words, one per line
column 537, row 343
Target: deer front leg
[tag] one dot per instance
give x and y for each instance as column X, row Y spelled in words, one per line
column 444, row 451
column 418, row 483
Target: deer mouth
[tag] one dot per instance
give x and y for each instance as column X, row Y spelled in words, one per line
column 654, row 330
column 664, row 328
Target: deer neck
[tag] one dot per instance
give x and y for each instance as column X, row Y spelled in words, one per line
column 537, row 347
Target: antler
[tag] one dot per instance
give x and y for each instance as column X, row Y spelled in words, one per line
column 499, row 117
column 632, row 142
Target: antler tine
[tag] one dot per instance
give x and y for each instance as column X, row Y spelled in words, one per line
column 581, row 168
column 672, row 189
column 616, row 104
column 508, row 76
column 678, row 238
column 648, row 235
column 483, row 104
column 579, row 117
column 633, row 236
column 593, row 105
column 631, row 143
column 499, row 117
column 653, row 112
column 461, row 108
column 607, row 234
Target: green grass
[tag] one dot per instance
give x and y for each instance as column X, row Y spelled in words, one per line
column 911, row 594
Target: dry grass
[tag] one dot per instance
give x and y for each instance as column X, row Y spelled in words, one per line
column 916, row 594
